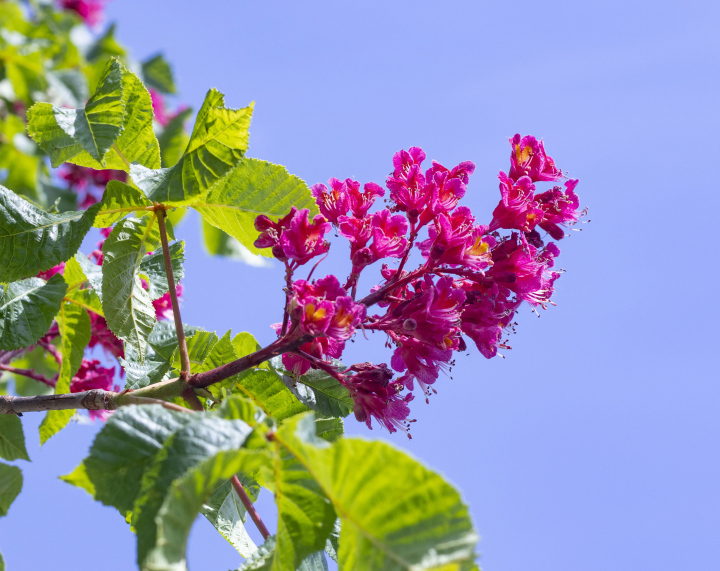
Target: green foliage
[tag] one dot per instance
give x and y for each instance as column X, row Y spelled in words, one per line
column 225, row 512
column 27, row 309
column 114, row 129
column 395, row 513
column 32, row 240
column 218, row 243
column 217, row 144
column 118, row 201
column 77, row 292
column 157, row 73
column 11, row 482
column 173, row 138
column 254, row 187
column 324, row 394
column 12, row 439
column 127, row 305
column 203, row 437
column 74, row 325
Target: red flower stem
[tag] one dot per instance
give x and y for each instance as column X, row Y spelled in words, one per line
column 288, row 288
column 249, row 506
column 50, row 348
column 7, row 356
column 413, row 235
column 320, row 364
column 28, row 373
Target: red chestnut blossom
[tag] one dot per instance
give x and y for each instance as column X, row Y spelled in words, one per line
column 159, row 110
column 101, row 335
column 47, row 274
column 559, row 208
column 163, row 305
column 88, row 183
column 88, row 10
column 471, row 285
column 528, row 158
column 332, row 203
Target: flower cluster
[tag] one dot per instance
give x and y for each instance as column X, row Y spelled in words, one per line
column 89, row 184
column 469, row 284
column 91, row 11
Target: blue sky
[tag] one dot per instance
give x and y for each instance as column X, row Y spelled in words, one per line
column 593, row 445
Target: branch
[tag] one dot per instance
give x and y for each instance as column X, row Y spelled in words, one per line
column 95, row 399
column 202, row 380
column 249, row 506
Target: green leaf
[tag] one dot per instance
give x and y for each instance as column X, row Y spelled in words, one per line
column 184, row 500
column 114, row 130
column 75, row 277
column 314, row 562
column 199, row 346
column 269, row 393
column 2, row 563
column 329, row 397
column 330, row 429
column 217, row 144
column 173, row 138
column 32, row 240
column 106, row 46
column 124, row 449
column 118, row 201
column 152, row 268
column 65, row 134
column 92, row 272
column 333, row 542
column 12, row 439
column 11, row 482
column 305, row 516
column 203, row 437
column 79, row 477
column 225, row 512
column 74, row 325
column 27, row 309
column 128, row 308
column 158, row 74
column 396, row 514
column 253, row 187
column 262, row 559
column 218, row 243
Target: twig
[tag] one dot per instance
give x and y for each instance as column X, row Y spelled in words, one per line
column 28, row 373
column 95, row 399
column 249, row 506
column 130, row 399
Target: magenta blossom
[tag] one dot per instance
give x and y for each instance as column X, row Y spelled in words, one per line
column 101, row 335
column 324, row 308
column 47, row 274
column 559, row 208
column 517, row 209
column 528, row 158
column 88, row 10
column 320, row 348
column 163, row 305
column 388, row 235
column 332, row 203
column 360, row 202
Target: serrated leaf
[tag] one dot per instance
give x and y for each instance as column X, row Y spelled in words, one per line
column 128, row 308
column 305, row 515
column 12, row 439
column 78, row 477
column 199, row 346
column 225, row 512
column 314, row 562
column 253, row 187
column 331, row 398
column 84, row 297
column 139, row 375
column 118, row 201
column 203, row 437
column 330, row 429
column 27, row 310
column 396, row 514
column 218, row 243
column 65, row 134
column 152, row 267
column 262, row 559
column 157, row 73
column 112, row 131
column 174, row 139
column 11, row 482
column 217, row 144
column 32, row 240
column 124, row 449
column 186, row 497
column 269, row 393
column 333, row 541
column 92, row 272
column 74, row 325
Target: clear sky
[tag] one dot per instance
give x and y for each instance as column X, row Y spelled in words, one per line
column 594, row 444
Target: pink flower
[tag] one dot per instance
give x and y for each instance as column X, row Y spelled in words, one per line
column 517, row 210
column 101, row 335
column 88, row 183
column 320, row 347
column 421, row 360
column 293, row 237
column 388, row 234
column 360, row 202
column 163, row 305
column 92, row 376
column 333, row 203
column 528, row 158
column 446, row 187
column 449, row 237
column 324, row 308
column 358, row 231
column 407, row 183
column 487, row 313
column 47, row 274
column 158, row 105
column 374, row 396
column 88, row 10
column 559, row 208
